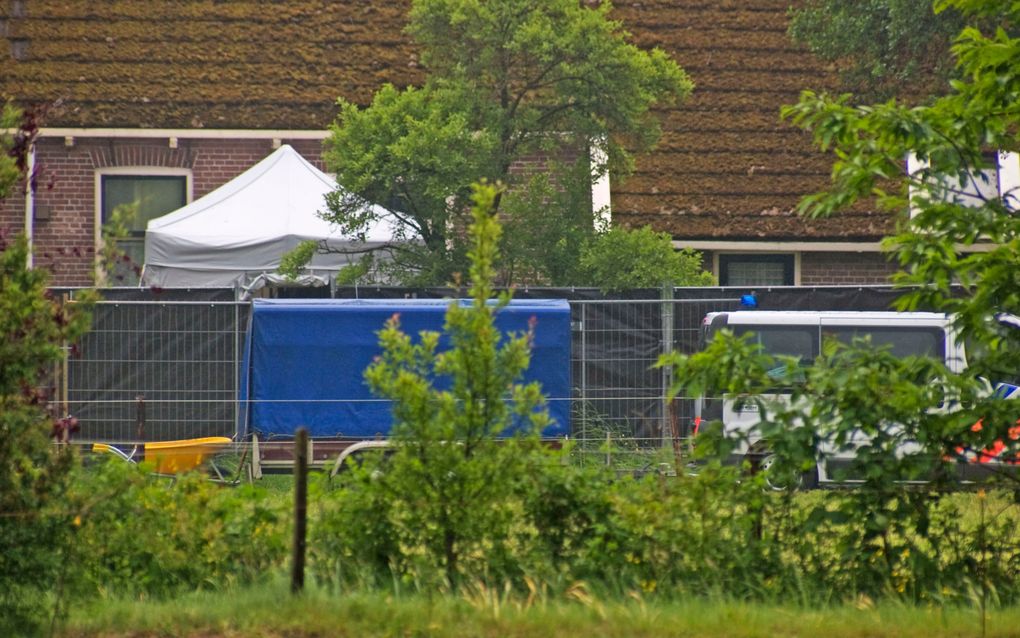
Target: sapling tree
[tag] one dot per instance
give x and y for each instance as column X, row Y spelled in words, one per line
column 464, row 427
column 33, row 472
column 911, row 419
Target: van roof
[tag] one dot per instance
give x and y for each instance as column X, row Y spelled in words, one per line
column 813, row 316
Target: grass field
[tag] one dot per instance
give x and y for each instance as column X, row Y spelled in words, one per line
column 270, row 611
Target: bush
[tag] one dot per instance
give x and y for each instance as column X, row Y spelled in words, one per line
column 33, row 471
column 620, row 259
column 137, row 535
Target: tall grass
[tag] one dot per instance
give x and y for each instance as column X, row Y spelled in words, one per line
column 269, row 610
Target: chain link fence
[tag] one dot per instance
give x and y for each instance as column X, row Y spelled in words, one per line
column 152, row 370
column 165, row 365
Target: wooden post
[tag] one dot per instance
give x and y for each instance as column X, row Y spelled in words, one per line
column 140, row 418
column 64, row 383
column 297, row 574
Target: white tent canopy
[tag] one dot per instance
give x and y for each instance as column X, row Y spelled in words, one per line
column 236, row 235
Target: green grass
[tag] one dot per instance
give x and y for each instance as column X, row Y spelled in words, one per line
column 270, row 611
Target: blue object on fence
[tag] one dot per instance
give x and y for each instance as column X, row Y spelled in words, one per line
column 304, row 361
column 1006, row 391
column 749, row 301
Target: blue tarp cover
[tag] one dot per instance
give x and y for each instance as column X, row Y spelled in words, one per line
column 304, row 361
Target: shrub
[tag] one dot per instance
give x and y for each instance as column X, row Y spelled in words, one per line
column 33, row 471
column 620, row 259
column 137, row 535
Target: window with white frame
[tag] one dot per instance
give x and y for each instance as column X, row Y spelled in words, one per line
column 151, row 193
column 1000, row 178
column 756, row 269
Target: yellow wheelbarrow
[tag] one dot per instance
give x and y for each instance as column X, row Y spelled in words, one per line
column 174, row 457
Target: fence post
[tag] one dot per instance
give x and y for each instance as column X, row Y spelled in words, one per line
column 64, row 367
column 584, row 375
column 297, row 575
column 140, row 418
column 237, row 371
column 667, row 371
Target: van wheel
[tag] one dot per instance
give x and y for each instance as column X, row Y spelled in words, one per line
column 763, row 459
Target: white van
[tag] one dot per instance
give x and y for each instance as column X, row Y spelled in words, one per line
column 800, row 334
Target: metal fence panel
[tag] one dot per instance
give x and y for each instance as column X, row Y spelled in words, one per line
column 620, row 393
column 155, row 371
column 182, row 356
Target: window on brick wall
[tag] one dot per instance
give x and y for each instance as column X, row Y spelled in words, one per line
column 998, row 179
column 155, row 196
column 756, row 270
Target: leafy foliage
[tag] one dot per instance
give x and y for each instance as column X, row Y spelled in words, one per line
column 902, row 419
column 33, row 472
column 938, row 246
column 449, row 484
column 115, row 265
column 508, row 81
column 884, row 47
column 619, row 259
column 134, row 535
column 10, row 117
column 293, row 262
column 881, row 411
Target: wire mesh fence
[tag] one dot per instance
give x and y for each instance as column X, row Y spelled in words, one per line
column 620, row 412
column 157, row 371
column 160, row 370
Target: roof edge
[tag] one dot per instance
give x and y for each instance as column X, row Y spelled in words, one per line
column 187, row 133
column 835, row 245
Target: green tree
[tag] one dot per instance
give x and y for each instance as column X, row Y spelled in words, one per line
column 937, row 247
column 509, row 82
column 916, row 416
column 10, row 118
column 33, row 472
column 619, row 259
column 448, row 490
column 883, row 47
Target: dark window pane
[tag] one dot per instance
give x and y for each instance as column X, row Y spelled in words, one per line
column 156, row 195
column 794, row 341
column 756, row 270
column 902, row 342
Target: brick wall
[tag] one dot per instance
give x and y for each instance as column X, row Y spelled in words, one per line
column 65, row 243
column 844, row 268
column 835, row 268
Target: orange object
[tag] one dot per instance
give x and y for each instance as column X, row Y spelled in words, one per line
column 175, row 457
column 992, row 453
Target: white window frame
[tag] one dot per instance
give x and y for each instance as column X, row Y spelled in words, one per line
column 1005, row 183
column 754, row 253
column 132, row 171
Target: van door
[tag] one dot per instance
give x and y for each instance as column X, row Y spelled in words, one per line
column 799, row 340
column 903, row 336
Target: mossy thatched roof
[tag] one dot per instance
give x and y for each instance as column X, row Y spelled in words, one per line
column 726, row 168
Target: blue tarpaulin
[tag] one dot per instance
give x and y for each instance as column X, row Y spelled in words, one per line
column 304, row 361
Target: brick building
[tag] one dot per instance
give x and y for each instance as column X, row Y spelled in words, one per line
column 169, row 100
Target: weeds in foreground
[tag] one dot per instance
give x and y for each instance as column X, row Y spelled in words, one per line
column 269, row 610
